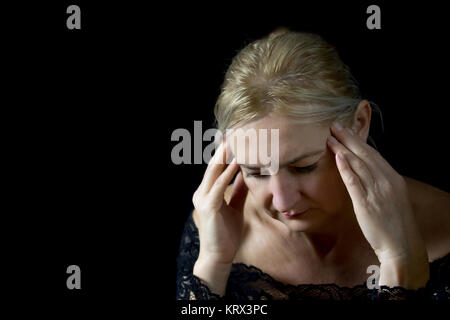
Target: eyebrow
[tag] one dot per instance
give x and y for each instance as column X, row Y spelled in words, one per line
column 304, row 156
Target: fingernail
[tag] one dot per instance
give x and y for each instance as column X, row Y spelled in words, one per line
column 332, row 140
column 337, row 125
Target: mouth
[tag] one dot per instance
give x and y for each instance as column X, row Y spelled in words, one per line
column 294, row 215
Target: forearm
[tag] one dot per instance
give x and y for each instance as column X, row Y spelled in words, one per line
column 214, row 275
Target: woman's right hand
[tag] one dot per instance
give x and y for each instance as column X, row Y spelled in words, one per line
column 220, row 224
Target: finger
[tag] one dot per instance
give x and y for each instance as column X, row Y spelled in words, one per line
column 361, row 149
column 350, row 179
column 222, row 182
column 239, row 193
column 356, row 164
column 215, row 168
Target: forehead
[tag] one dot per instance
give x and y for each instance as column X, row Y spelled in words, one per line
column 294, row 138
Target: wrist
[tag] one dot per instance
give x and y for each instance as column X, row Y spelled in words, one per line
column 213, row 274
column 211, row 264
column 407, row 271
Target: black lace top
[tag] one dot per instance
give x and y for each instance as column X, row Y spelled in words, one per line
column 250, row 283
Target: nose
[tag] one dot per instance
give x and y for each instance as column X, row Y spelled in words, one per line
column 285, row 192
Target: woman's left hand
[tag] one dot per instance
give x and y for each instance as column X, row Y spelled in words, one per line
column 383, row 209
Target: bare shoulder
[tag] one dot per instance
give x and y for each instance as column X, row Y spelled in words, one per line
column 432, row 209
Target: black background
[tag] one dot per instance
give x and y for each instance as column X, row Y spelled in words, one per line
column 89, row 115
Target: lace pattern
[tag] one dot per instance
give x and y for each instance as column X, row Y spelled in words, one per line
column 250, row 283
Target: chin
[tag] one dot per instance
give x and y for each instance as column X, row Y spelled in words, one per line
column 305, row 223
column 299, row 226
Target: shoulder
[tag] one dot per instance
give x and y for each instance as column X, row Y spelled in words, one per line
column 432, row 210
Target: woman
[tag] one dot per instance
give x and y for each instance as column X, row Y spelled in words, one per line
column 332, row 210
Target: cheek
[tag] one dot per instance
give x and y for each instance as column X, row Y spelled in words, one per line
column 259, row 191
column 317, row 186
column 328, row 187
column 255, row 187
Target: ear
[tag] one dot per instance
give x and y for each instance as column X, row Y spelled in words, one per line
column 361, row 120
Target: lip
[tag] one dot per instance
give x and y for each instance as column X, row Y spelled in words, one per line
column 294, row 215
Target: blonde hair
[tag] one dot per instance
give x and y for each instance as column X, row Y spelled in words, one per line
column 297, row 74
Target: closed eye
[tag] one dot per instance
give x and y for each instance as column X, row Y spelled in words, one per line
column 306, row 169
column 257, row 174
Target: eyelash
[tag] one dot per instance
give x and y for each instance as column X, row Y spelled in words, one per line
column 297, row 169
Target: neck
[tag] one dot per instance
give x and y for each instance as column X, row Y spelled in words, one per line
column 331, row 244
column 334, row 242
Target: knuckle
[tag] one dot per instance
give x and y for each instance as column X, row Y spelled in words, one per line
column 388, row 186
column 352, row 180
column 364, row 154
column 359, row 165
column 196, row 198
